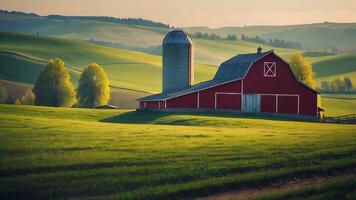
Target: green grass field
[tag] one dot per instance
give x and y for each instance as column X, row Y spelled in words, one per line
column 62, row 153
column 338, row 104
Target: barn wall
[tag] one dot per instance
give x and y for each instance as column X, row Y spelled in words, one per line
column 185, row 101
column 268, row 103
column 228, row 101
column 288, row 104
column 152, row 104
column 142, row 105
column 284, row 83
column 308, row 102
column 207, row 97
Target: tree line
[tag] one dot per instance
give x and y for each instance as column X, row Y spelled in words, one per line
column 125, row 21
column 338, row 84
column 232, row 37
column 214, row 36
column 273, row 42
column 155, row 50
column 55, row 88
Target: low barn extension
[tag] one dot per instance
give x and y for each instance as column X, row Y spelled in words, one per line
column 255, row 82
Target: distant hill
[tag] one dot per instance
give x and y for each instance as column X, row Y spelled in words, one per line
column 146, row 33
column 314, row 36
column 23, row 54
column 126, row 21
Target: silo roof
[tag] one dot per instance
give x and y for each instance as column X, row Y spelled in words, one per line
column 177, row 37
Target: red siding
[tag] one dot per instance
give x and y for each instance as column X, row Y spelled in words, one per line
column 284, row 83
column 207, row 97
column 142, row 105
column 288, row 104
column 186, row 101
column 268, row 103
column 152, row 104
column 228, row 101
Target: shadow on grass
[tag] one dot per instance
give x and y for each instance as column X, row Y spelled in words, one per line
column 146, row 117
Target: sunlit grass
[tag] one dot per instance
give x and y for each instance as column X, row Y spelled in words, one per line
column 68, row 153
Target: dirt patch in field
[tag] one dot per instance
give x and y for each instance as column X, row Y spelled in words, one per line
column 250, row 193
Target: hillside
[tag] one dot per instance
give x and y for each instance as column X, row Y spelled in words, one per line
column 24, row 55
column 61, row 153
column 121, row 65
column 319, row 35
column 209, row 52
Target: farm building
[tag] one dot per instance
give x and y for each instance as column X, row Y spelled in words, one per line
column 255, row 82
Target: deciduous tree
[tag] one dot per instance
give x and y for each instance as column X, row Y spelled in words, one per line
column 303, row 70
column 28, row 98
column 93, row 87
column 54, row 87
column 3, row 94
column 348, row 84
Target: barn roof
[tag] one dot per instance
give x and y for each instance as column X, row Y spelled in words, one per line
column 237, row 66
column 194, row 88
column 233, row 69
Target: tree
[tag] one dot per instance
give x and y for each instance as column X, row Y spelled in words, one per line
column 18, row 102
column 28, row 98
column 325, row 85
column 348, row 84
column 303, row 70
column 93, row 87
column 337, row 84
column 231, row 37
column 3, row 94
column 54, row 87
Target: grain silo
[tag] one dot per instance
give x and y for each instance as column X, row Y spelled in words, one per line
column 178, row 61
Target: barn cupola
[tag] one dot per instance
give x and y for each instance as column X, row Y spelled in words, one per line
column 259, row 50
column 178, row 61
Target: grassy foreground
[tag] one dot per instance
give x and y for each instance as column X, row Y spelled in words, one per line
column 60, row 153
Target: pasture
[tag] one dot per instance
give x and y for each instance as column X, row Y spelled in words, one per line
column 63, row 153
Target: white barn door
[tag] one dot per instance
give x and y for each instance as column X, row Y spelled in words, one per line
column 251, row 103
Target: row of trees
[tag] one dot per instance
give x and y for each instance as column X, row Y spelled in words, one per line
column 156, row 49
column 273, row 42
column 214, row 36
column 54, row 88
column 337, row 85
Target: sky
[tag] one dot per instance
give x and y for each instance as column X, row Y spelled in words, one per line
column 217, row 13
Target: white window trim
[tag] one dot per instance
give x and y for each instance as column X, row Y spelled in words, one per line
column 226, row 93
column 286, row 95
column 267, row 64
column 198, row 99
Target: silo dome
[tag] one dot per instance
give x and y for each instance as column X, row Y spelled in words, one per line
column 178, row 61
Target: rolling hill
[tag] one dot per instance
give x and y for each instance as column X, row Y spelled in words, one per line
column 126, row 69
column 319, row 35
column 23, row 56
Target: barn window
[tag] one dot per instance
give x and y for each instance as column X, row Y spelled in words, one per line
column 270, row 69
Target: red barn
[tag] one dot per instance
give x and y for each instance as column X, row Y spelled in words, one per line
column 257, row 82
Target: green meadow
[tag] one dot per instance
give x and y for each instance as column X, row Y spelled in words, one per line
column 63, row 153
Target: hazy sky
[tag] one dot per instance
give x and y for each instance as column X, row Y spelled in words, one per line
column 217, row 13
